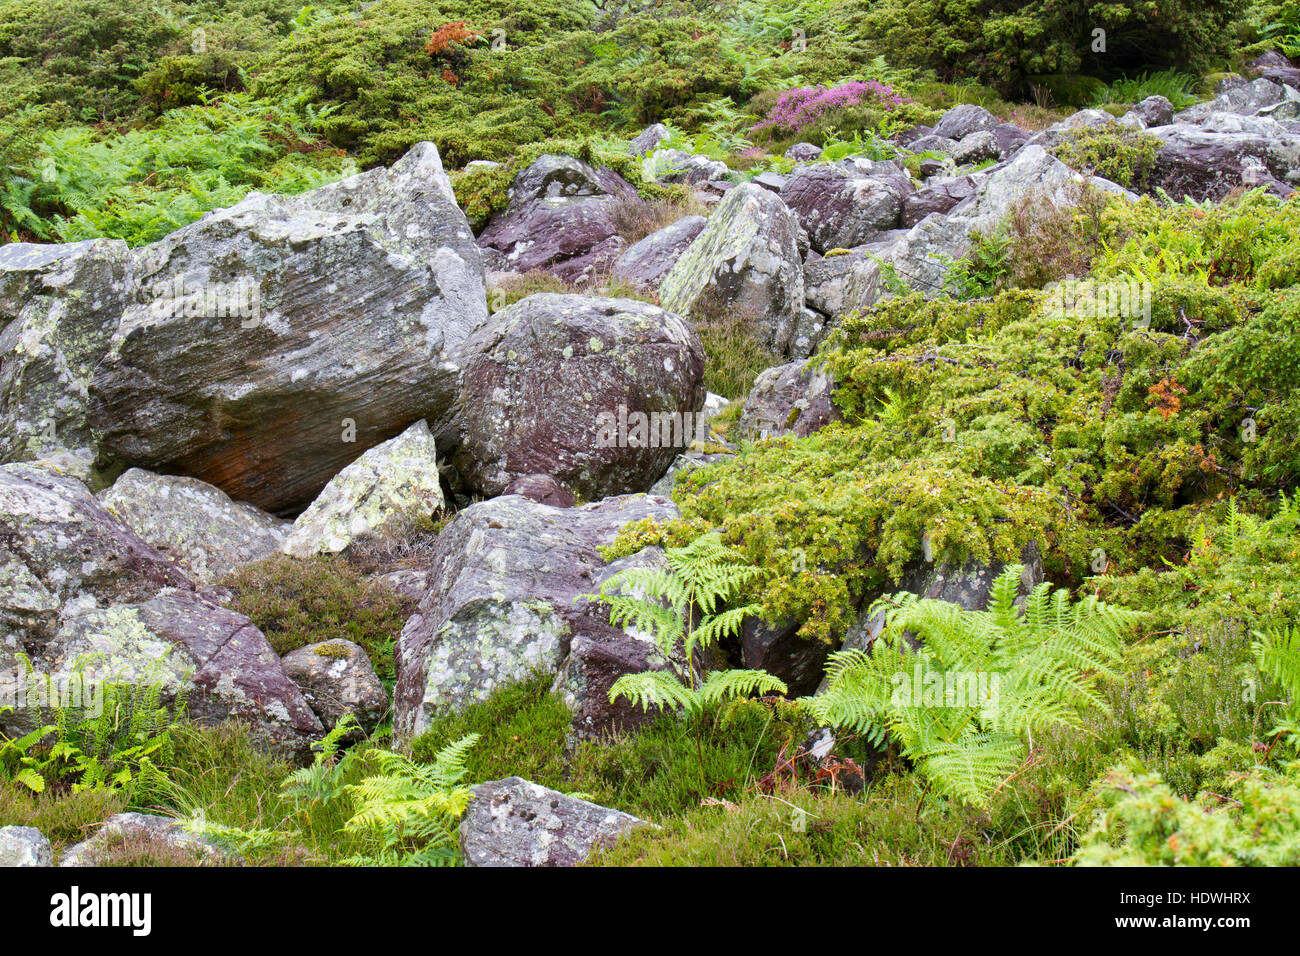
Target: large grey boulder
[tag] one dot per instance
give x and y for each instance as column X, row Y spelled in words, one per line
column 506, row 573
column 745, row 260
column 977, row 147
column 1223, row 154
column 646, row 262
column 597, row 393
column 59, row 305
column 839, row 209
column 337, row 678
column 193, row 523
column 24, row 847
column 1246, row 99
column 147, row 833
column 1155, row 110
column 274, row 340
column 648, row 139
column 86, row 599
column 560, row 218
column 58, row 546
column 187, row 644
column 960, row 121
column 803, row 152
column 390, row 482
column 830, row 281
column 514, row 822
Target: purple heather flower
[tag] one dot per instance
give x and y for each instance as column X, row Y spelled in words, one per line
column 798, row 108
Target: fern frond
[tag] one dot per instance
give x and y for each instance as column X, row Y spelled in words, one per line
column 721, row 686
column 655, row 689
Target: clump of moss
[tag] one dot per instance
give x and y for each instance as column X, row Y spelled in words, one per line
column 334, row 651
column 301, row 601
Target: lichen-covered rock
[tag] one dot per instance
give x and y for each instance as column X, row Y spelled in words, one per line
column 85, row 595
column 185, row 643
column 506, row 573
column 337, row 678
column 803, row 152
column 789, row 399
column 839, row 209
column 1211, row 160
column 513, row 822
column 976, row 147
column 59, row 305
column 920, row 257
column 276, row 339
column 679, row 166
column 646, row 262
column 746, row 259
column 933, row 144
column 1246, row 99
column 24, row 847
column 648, row 139
column 562, row 177
column 1153, row 111
column 829, row 281
column 391, row 481
column 59, row 546
column 193, row 523
column 142, row 831
column 559, row 219
column 960, row 121
column 579, row 388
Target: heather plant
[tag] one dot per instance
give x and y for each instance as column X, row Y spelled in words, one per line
column 797, row 109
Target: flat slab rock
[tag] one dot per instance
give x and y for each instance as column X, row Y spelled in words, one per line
column 24, row 847
column 514, row 822
column 132, row 830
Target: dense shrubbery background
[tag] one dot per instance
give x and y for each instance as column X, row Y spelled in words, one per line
column 243, row 94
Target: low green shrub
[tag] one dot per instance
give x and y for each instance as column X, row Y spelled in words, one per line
column 301, row 601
